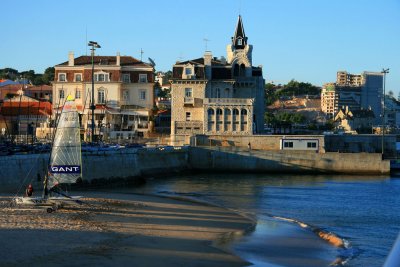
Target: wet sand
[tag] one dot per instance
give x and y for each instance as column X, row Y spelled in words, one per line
column 121, row 230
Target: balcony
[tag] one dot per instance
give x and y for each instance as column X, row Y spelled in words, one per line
column 188, row 101
column 188, row 127
column 229, row 101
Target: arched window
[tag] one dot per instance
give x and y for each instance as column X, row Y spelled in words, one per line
column 243, row 124
column 210, row 125
column 242, row 70
column 228, row 119
column 235, row 111
column 236, row 70
column 219, row 111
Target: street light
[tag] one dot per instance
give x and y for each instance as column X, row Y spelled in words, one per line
column 384, row 71
column 93, row 107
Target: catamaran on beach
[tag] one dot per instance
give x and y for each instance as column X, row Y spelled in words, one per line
column 65, row 164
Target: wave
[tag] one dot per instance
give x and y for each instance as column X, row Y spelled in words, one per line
column 346, row 252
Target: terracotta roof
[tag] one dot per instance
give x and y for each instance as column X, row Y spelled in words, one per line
column 15, row 87
column 25, row 108
column 107, row 60
column 39, row 88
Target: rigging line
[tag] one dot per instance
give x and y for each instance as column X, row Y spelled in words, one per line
column 26, row 176
column 38, row 110
column 19, row 112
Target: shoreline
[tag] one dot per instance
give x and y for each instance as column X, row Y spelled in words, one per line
column 122, row 229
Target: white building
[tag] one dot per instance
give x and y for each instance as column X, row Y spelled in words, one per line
column 123, row 93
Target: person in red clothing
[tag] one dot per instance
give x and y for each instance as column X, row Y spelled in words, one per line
column 29, row 191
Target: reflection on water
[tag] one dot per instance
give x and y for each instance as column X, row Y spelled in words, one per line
column 364, row 210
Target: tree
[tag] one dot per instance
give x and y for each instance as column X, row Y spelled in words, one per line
column 48, row 75
column 269, row 118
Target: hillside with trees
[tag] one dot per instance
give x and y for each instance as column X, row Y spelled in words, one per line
column 293, row 88
column 34, row 78
column 294, row 105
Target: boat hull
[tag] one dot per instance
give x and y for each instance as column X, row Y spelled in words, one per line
column 50, row 201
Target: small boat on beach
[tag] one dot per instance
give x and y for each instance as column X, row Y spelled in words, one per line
column 65, row 164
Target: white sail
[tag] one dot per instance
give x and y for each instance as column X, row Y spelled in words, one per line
column 66, row 161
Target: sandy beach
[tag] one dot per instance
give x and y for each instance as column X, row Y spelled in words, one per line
column 113, row 229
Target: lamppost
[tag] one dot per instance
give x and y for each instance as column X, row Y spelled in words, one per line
column 384, row 71
column 93, row 106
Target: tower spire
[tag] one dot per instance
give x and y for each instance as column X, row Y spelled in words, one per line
column 239, row 40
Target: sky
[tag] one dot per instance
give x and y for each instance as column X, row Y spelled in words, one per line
column 305, row 40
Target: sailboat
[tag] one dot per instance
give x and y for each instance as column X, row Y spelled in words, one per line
column 65, row 164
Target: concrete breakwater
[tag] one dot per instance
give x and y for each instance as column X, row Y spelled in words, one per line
column 18, row 170
column 239, row 159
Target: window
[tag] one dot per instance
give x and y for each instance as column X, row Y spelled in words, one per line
column 143, row 78
column 188, row 71
column 239, row 41
column 126, row 78
column 78, row 77
column 188, row 116
column 311, row 145
column 288, row 144
column 125, row 95
column 101, row 77
column 62, row 77
column 61, row 93
column 142, row 94
column 188, row 92
column 77, row 94
column 100, row 97
column 243, row 112
column 218, row 93
column 219, row 111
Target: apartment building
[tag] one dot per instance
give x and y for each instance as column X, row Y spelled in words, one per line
column 123, row 93
column 355, row 91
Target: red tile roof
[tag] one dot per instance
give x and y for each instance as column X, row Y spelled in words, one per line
column 25, row 108
column 107, row 60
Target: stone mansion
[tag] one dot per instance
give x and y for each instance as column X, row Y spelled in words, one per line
column 218, row 96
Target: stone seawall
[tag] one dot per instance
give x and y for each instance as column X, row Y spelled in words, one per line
column 18, row 170
column 239, row 159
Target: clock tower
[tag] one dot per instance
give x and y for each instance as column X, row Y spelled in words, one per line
column 239, row 52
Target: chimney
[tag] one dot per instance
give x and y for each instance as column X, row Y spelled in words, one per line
column 118, row 59
column 71, row 59
column 207, row 64
column 207, row 58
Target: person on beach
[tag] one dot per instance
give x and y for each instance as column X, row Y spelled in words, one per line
column 29, row 191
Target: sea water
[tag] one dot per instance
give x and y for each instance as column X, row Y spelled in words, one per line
column 363, row 211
